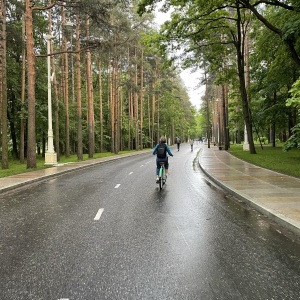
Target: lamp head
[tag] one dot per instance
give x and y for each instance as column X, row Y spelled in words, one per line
column 68, row 26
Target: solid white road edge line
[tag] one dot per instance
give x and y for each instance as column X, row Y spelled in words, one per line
column 99, row 213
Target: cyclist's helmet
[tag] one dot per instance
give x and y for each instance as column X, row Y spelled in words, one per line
column 163, row 139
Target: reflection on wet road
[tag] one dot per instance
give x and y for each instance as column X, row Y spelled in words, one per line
column 109, row 233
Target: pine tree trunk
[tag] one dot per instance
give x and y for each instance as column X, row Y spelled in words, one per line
column 226, row 142
column 78, row 93
column 153, row 104
column 158, row 116
column 136, row 105
column 149, row 118
column 117, row 110
column 130, row 117
column 112, row 108
column 66, row 91
column 23, row 80
column 142, row 99
column 31, row 136
column 226, row 116
column 207, row 110
column 121, row 120
column 1, row 72
column 3, row 82
column 100, row 106
column 130, row 104
column 153, row 115
column 90, row 104
column 74, row 114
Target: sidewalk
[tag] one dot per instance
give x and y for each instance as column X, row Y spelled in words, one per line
column 273, row 194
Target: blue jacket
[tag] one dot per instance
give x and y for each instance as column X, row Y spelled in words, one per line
column 167, row 148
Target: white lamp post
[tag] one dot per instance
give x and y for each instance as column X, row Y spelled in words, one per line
column 50, row 155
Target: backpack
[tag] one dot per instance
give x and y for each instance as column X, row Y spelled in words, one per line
column 161, row 150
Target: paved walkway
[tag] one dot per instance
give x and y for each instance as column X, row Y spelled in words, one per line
column 271, row 193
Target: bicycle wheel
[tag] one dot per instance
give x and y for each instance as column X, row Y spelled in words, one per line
column 161, row 175
column 160, row 183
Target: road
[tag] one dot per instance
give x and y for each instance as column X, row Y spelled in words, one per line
column 107, row 232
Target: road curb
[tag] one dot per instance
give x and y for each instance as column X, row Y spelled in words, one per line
column 270, row 213
column 69, row 167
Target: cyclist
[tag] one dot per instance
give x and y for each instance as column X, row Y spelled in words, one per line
column 161, row 151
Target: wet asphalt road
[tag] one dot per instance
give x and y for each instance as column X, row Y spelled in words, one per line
column 107, row 232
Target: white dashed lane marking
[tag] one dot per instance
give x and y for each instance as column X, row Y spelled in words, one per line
column 117, row 185
column 130, row 173
column 97, row 217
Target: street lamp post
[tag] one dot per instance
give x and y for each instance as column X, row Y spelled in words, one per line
column 50, row 155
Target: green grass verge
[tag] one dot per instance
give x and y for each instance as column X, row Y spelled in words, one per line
column 271, row 158
column 15, row 167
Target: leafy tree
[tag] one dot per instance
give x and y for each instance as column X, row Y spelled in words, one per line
column 160, row 105
column 208, row 28
column 286, row 23
column 294, row 139
column 294, row 101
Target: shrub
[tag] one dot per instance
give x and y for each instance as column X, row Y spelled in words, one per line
column 294, row 140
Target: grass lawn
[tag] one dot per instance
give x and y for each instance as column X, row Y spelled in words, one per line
column 16, row 168
column 271, row 158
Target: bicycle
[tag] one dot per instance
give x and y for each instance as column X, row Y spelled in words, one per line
column 162, row 178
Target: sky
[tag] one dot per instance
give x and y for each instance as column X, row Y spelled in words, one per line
column 190, row 79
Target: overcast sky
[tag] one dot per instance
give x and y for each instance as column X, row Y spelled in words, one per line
column 191, row 80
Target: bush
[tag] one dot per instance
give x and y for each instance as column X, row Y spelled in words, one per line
column 294, row 140
column 262, row 140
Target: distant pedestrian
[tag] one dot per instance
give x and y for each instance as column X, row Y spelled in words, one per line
column 178, row 141
column 192, row 144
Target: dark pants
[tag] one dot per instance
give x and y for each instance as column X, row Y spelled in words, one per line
column 158, row 160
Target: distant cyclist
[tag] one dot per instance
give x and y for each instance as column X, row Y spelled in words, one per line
column 161, row 151
column 178, row 141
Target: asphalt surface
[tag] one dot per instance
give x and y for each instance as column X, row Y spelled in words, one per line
column 273, row 194
column 108, row 232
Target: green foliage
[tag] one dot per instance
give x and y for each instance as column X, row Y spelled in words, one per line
column 291, row 27
column 294, row 140
column 295, row 92
column 262, row 140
